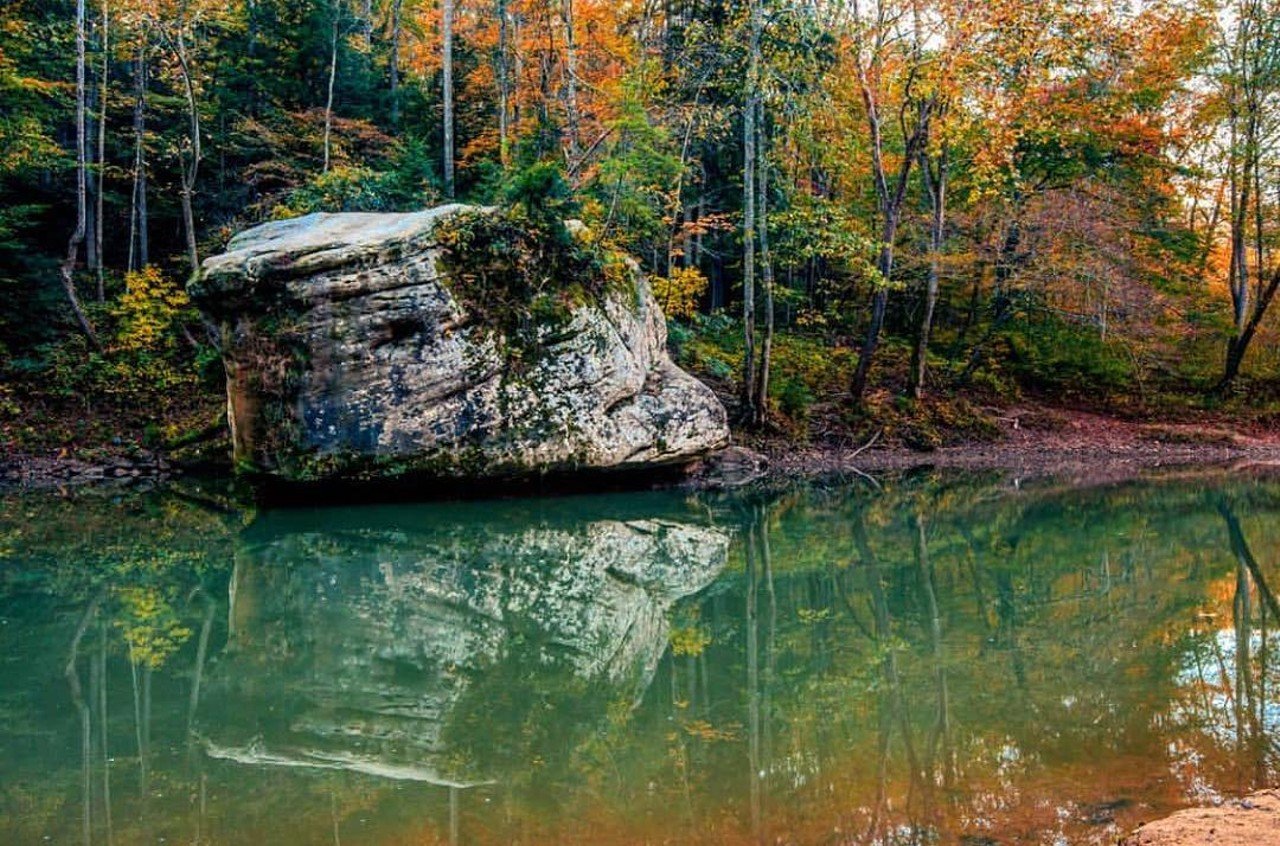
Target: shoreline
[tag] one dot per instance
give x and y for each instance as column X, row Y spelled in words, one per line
column 1033, row 461
column 1068, row 444
column 1034, row 442
column 779, row 463
column 1251, row 820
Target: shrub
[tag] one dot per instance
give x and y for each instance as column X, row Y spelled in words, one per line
column 793, row 397
column 151, row 311
column 678, row 294
column 1056, row 355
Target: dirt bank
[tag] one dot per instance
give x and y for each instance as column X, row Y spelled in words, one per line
column 1251, row 821
column 1043, row 442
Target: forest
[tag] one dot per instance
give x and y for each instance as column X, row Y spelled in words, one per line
column 894, row 215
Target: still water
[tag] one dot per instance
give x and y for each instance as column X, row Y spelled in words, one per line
column 941, row 659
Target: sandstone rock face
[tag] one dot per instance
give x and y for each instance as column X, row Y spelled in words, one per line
column 348, row 355
column 385, row 647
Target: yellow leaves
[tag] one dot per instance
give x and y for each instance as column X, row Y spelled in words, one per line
column 679, row 293
column 810, row 616
column 689, row 640
column 150, row 626
column 149, row 310
column 703, row 730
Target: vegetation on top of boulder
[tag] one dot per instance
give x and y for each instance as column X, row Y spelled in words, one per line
column 521, row 269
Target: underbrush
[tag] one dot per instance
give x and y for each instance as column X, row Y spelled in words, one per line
column 1043, row 362
column 809, row 398
column 154, row 382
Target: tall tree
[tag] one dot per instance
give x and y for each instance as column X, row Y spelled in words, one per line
column 139, row 247
column 394, row 62
column 873, row 36
column 570, row 81
column 950, row 44
column 77, row 234
column 176, row 34
column 1250, row 77
column 446, row 81
column 105, row 46
column 502, row 76
column 750, row 148
column 335, row 10
column 766, row 264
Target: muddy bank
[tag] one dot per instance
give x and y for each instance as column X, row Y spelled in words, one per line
column 1251, row 821
column 1036, row 442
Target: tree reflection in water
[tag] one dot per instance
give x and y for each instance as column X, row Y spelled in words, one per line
column 944, row 659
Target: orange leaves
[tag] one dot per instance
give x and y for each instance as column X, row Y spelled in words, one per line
column 538, row 61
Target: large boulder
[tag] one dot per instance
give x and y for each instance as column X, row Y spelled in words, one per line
column 351, row 352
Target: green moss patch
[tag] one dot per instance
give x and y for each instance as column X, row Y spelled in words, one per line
column 522, row 276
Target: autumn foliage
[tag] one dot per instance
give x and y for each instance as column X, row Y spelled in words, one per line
column 950, row 196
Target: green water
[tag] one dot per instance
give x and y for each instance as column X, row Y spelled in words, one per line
column 942, row 660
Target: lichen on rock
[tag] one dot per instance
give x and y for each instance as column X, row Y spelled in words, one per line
column 364, row 345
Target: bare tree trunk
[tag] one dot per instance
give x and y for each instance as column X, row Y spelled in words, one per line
column 677, row 209
column 91, row 133
column 504, row 82
column 446, row 73
column 102, row 145
column 1240, row 279
column 936, row 188
column 138, row 203
column 1240, row 344
column 91, row 183
column 395, row 62
column 695, row 260
column 890, row 198
column 333, row 75
column 517, row 66
column 77, row 235
column 749, row 149
column 1259, row 230
column 571, row 80
column 1249, row 86
column 191, row 166
column 880, row 302
column 251, row 51
column 766, row 264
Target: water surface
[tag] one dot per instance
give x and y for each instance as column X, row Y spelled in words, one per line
column 945, row 659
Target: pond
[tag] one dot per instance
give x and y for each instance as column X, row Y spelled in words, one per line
column 932, row 658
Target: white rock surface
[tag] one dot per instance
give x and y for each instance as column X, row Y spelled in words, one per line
column 348, row 356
